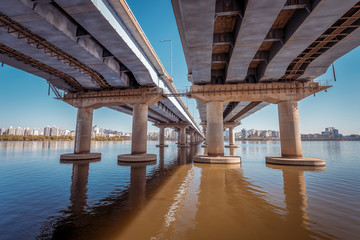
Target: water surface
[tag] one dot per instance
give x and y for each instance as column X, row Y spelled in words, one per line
column 174, row 198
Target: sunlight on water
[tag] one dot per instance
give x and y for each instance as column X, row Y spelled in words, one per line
column 174, row 198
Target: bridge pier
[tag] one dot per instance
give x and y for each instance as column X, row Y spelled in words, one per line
column 203, row 124
column 290, row 138
column 231, row 126
column 161, row 136
column 182, row 136
column 215, row 136
column 139, row 136
column 82, row 137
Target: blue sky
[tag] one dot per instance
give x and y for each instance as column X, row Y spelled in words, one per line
column 24, row 101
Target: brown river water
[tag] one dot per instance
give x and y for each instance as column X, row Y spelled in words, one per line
column 175, row 198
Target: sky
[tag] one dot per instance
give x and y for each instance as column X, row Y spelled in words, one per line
column 24, row 99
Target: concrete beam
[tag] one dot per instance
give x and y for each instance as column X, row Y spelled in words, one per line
column 258, row 19
column 196, row 25
column 99, row 99
column 274, row 92
column 319, row 66
column 110, row 29
column 300, row 33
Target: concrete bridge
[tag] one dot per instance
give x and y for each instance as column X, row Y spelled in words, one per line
column 245, row 54
column 96, row 52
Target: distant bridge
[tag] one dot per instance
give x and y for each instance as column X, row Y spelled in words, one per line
column 90, row 47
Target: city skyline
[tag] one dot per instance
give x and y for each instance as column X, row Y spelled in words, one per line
column 96, row 129
column 24, row 99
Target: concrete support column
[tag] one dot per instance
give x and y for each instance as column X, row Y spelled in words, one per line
column 290, row 137
column 192, row 138
column 139, row 129
column 231, row 136
column 162, row 136
column 182, row 136
column 214, row 129
column 83, row 130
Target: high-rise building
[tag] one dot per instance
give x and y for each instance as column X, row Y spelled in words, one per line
column 19, row 131
column 11, row 131
column 47, row 131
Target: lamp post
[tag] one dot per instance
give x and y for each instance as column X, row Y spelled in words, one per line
column 170, row 56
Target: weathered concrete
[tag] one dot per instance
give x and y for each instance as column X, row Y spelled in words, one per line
column 139, row 129
column 76, row 157
column 290, row 137
column 217, row 159
column 301, row 161
column 83, row 130
column 96, row 99
column 273, row 92
column 139, row 137
column 162, row 138
column 320, row 65
column 214, row 132
column 231, row 126
column 196, row 33
column 319, row 20
column 82, row 138
column 182, row 137
column 231, row 139
column 136, row 158
column 258, row 19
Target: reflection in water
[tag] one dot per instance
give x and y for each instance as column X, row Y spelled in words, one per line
column 137, row 182
column 176, row 199
column 78, row 191
column 295, row 195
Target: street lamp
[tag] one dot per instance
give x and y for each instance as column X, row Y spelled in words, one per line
column 170, row 56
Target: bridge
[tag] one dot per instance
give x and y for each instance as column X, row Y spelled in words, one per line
column 245, row 54
column 98, row 55
column 241, row 56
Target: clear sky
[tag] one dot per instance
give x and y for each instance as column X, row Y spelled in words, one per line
column 24, row 101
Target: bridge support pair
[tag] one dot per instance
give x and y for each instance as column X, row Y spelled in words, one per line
column 286, row 95
column 141, row 99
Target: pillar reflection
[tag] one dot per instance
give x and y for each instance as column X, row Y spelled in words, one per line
column 79, row 181
column 295, row 193
column 137, row 182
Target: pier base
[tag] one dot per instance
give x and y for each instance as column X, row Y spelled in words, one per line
column 232, row 146
column 217, row 159
column 162, row 145
column 79, row 156
column 302, row 161
column 290, row 139
column 137, row 157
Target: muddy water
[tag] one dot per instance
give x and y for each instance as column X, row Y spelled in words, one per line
column 174, row 198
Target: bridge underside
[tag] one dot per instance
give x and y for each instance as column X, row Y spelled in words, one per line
column 254, row 41
column 80, row 46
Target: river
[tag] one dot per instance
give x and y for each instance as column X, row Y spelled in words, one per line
column 174, row 198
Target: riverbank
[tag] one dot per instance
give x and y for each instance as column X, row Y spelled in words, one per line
column 54, row 138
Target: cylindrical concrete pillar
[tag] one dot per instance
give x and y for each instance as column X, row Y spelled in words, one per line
column 83, row 130
column 192, row 137
column 231, row 136
column 290, row 137
column 214, row 129
column 139, row 129
column 162, row 136
column 182, row 136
